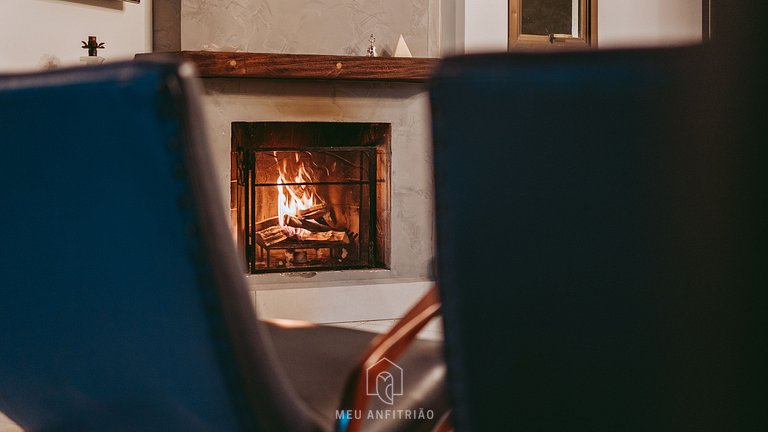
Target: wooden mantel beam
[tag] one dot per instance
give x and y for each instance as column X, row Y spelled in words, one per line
column 213, row 64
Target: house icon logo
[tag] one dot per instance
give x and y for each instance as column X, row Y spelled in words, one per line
column 385, row 380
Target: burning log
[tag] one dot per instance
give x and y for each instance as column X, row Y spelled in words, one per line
column 308, row 224
column 297, row 233
column 271, row 235
column 266, row 223
column 328, row 236
column 315, row 212
column 314, row 225
column 276, row 234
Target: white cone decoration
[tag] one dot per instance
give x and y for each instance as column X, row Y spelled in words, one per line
column 402, row 49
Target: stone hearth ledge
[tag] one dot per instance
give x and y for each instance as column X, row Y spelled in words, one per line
column 341, row 301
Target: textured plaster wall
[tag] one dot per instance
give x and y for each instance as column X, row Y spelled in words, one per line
column 310, row 26
column 166, row 25
column 403, row 105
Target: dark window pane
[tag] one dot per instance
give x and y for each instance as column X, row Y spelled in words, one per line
column 542, row 17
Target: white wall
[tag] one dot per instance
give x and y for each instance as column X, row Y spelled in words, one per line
column 481, row 25
column 648, row 23
column 485, row 25
column 33, row 32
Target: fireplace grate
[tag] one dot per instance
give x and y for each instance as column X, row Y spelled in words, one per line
column 310, row 207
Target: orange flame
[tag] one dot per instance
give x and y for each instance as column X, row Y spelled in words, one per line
column 293, row 198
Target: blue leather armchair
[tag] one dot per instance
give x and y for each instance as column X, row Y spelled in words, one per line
column 123, row 305
column 601, row 235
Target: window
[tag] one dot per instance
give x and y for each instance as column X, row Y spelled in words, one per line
column 542, row 24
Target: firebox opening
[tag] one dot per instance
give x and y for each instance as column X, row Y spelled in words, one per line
column 311, row 196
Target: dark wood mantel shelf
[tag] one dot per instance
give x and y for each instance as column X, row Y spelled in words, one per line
column 214, row 64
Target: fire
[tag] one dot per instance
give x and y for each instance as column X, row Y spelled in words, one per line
column 291, row 199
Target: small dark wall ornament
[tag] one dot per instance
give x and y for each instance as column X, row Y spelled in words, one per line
column 92, row 46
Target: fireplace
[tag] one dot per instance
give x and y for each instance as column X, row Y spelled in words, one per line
column 310, row 196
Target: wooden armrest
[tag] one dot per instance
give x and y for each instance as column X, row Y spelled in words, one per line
column 389, row 345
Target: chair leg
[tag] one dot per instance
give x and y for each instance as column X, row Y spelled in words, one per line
column 445, row 424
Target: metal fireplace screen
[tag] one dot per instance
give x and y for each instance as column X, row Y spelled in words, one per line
column 307, row 197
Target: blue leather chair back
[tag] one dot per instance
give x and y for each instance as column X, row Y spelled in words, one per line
column 122, row 303
column 597, row 236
